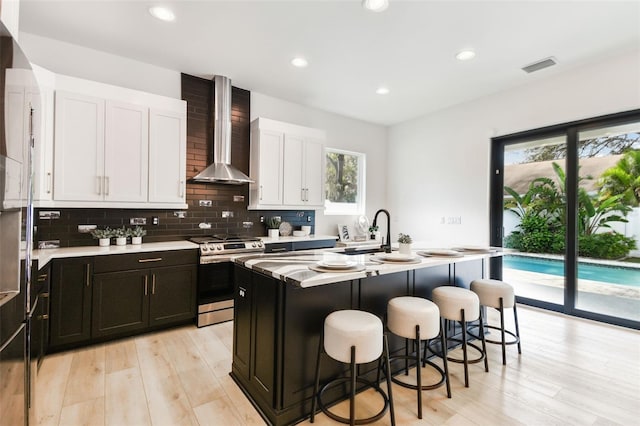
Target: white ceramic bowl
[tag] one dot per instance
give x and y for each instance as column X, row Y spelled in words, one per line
column 299, row 233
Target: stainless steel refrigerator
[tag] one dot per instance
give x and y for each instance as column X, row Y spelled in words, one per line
column 16, row 232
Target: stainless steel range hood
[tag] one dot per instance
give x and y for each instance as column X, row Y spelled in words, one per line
column 221, row 171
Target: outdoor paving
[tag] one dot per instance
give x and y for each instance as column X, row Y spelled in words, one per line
column 595, row 296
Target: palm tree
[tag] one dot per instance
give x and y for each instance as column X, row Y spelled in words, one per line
column 623, row 179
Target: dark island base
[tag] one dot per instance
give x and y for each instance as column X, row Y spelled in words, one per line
column 277, row 329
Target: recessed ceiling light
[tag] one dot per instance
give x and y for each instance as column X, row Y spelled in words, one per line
column 465, row 55
column 375, row 5
column 162, row 13
column 299, row 62
column 382, row 90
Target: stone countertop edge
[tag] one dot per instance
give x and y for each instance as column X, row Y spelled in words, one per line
column 44, row 256
column 289, row 239
column 293, row 267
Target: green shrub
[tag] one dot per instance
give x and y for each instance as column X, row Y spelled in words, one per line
column 610, row 245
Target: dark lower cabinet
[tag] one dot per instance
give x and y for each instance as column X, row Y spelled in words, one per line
column 93, row 299
column 70, row 318
column 120, row 303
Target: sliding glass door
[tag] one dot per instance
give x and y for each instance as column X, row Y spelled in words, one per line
column 565, row 205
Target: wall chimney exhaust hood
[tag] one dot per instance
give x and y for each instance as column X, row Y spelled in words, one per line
column 221, row 171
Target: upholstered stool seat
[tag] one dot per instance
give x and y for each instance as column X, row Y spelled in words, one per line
column 417, row 319
column 353, row 337
column 461, row 305
column 499, row 295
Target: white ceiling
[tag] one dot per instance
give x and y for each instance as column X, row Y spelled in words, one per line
column 409, row 48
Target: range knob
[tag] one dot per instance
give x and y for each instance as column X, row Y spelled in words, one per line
column 218, row 247
column 253, row 245
column 204, row 248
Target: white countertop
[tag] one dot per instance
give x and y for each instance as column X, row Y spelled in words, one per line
column 44, row 256
column 289, row 239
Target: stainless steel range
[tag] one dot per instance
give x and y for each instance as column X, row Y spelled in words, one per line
column 215, row 274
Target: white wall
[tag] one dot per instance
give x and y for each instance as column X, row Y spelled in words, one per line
column 343, row 133
column 439, row 163
column 77, row 61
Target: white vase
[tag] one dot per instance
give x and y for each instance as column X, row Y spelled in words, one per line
column 405, row 248
column 121, row 241
column 104, row 242
column 274, row 234
column 136, row 240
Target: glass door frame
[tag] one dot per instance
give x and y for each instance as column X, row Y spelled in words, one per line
column 496, row 207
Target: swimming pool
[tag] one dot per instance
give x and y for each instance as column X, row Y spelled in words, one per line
column 587, row 271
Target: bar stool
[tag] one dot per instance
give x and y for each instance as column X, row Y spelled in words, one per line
column 498, row 295
column 417, row 319
column 462, row 305
column 353, row 337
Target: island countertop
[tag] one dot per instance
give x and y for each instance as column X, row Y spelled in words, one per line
column 295, row 267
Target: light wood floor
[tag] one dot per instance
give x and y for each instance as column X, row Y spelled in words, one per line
column 571, row 372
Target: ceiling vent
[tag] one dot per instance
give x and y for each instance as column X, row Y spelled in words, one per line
column 537, row 66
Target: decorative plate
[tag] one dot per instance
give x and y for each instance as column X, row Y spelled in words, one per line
column 285, row 229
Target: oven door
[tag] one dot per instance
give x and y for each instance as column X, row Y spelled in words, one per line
column 215, row 293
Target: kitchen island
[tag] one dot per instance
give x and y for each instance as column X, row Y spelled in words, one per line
column 280, row 306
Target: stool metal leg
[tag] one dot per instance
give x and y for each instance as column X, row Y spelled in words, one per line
column 502, row 334
column 392, row 412
column 443, row 342
column 484, row 343
column 419, row 372
column 515, row 317
column 317, row 381
column 352, row 396
column 464, row 349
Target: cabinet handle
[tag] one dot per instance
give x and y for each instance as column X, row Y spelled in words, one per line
column 44, row 295
column 153, row 283
column 181, row 188
column 153, row 259
column 242, row 291
column 146, row 286
column 260, row 192
column 106, row 185
column 48, row 182
column 302, row 194
column 279, row 249
column 87, row 270
column 43, row 317
column 306, row 194
column 99, row 184
column 42, row 277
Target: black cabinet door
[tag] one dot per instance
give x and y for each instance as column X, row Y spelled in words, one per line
column 70, row 301
column 263, row 331
column 242, row 322
column 120, row 302
column 173, row 294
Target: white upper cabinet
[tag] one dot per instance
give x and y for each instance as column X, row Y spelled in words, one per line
column 79, row 147
column 10, row 16
column 116, row 147
column 167, row 156
column 126, row 152
column 287, row 164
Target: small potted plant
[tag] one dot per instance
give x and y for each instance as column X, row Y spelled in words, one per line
column 103, row 236
column 273, row 226
column 373, row 232
column 136, row 235
column 405, row 243
column 121, row 236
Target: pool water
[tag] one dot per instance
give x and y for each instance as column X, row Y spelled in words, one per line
column 587, row 271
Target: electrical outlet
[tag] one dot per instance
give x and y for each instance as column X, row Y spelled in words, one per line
column 238, row 198
column 226, row 214
column 205, row 203
column 180, row 214
column 85, row 229
column 261, row 219
column 137, row 221
column 49, row 214
column 454, row 220
column 155, row 220
column 309, row 218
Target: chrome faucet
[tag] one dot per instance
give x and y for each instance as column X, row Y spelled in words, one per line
column 386, row 245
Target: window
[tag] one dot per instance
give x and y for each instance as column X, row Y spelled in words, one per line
column 345, row 182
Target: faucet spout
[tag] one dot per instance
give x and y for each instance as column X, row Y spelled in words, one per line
column 386, row 245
